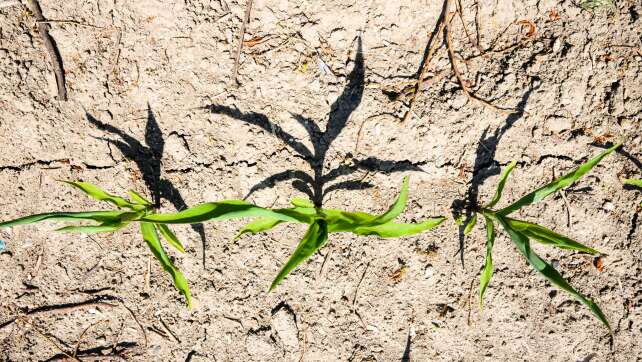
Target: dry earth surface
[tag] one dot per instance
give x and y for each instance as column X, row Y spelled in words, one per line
column 153, row 107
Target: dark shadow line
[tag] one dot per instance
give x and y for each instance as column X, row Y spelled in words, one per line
column 406, row 352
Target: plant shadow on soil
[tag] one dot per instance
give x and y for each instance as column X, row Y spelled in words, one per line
column 314, row 184
column 148, row 159
column 485, row 164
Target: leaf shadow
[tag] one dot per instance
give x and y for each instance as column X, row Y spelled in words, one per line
column 485, row 164
column 148, row 159
column 317, row 184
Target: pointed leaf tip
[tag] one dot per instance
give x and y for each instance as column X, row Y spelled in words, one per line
column 557, row 184
column 314, row 238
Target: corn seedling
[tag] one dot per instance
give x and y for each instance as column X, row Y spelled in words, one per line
column 521, row 232
column 112, row 220
column 321, row 223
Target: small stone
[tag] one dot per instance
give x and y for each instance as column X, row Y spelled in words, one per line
column 608, row 206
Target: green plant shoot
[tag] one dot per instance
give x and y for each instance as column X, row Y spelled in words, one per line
column 322, row 222
column 113, row 220
column 522, row 232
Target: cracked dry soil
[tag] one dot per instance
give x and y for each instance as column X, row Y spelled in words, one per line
column 152, row 107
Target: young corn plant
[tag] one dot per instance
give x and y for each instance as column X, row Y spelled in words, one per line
column 106, row 221
column 321, row 221
column 522, row 232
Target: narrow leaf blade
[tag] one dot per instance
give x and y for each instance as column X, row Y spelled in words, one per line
column 501, row 184
column 138, row 198
column 487, row 273
column 99, row 216
column 550, row 273
column 171, row 238
column 549, row 237
column 100, row 194
column 395, row 230
column 557, row 184
column 471, row 224
column 222, row 210
column 633, row 182
column 106, row 227
column 259, row 225
column 314, row 238
column 397, row 208
column 301, row 202
column 153, row 242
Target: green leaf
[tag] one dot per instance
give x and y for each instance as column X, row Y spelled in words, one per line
column 501, row 184
column 549, row 237
column 394, row 230
column 523, row 245
column 397, row 208
column 556, row 185
column 100, row 194
column 99, row 216
column 340, row 221
column 301, row 202
column 633, row 182
column 314, row 238
column 151, row 238
column 138, row 198
column 487, row 273
column 228, row 209
column 259, row 225
column 171, row 238
column 471, row 224
column 106, row 227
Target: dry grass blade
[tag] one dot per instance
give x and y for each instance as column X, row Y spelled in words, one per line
column 50, row 45
column 246, row 19
column 424, row 69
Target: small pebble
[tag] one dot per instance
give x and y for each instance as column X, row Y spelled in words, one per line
column 2, row 245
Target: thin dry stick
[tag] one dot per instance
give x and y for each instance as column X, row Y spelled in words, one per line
column 460, row 14
column 82, row 335
column 131, row 312
column 356, row 291
column 27, row 322
column 246, row 19
column 50, row 45
column 72, row 22
column 167, row 330
column 424, row 69
column 459, row 77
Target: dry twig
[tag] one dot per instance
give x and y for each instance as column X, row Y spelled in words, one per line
column 50, row 45
column 246, row 19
